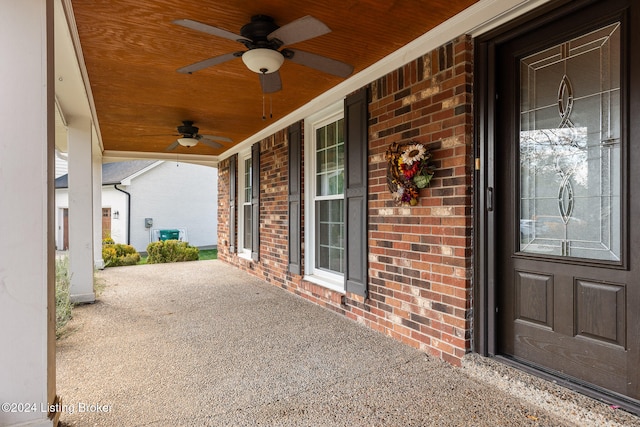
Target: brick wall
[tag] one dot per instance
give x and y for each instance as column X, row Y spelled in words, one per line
column 420, row 257
column 223, row 210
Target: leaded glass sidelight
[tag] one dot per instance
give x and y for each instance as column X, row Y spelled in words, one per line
column 570, row 148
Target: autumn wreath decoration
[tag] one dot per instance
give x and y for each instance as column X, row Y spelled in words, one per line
column 408, row 171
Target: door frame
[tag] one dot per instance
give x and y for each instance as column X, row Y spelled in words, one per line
column 485, row 330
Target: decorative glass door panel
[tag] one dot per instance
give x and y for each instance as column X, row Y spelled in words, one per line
column 567, row 205
column 570, row 155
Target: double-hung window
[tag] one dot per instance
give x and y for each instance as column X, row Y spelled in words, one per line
column 245, row 220
column 325, row 224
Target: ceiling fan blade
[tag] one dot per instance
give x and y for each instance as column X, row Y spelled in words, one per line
column 216, row 138
column 207, row 63
column 172, row 146
column 270, row 82
column 210, row 143
column 299, row 30
column 199, row 26
column 322, row 63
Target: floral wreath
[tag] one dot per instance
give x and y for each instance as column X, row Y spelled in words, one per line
column 408, row 171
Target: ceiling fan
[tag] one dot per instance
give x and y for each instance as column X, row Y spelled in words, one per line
column 263, row 38
column 189, row 137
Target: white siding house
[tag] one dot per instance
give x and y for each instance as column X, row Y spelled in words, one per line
column 141, row 197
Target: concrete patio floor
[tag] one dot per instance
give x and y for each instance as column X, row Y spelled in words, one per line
column 204, row 344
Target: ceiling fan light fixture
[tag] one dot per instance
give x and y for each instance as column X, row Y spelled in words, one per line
column 187, row 141
column 263, row 60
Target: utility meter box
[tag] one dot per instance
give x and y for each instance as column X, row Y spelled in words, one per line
column 172, row 234
column 162, row 234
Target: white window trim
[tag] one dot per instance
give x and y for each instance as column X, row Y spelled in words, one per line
column 242, row 158
column 324, row 278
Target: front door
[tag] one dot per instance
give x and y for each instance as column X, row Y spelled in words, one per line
column 568, row 198
column 65, row 229
column 106, row 223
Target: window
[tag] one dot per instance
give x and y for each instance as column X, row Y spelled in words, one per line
column 245, row 220
column 336, row 182
column 329, row 199
column 325, row 224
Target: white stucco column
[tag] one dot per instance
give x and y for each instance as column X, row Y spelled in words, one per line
column 27, row 269
column 81, row 211
column 98, row 262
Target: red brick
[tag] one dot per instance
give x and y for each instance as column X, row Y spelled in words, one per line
column 408, row 269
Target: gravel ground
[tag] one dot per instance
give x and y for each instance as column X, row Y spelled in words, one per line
column 203, row 344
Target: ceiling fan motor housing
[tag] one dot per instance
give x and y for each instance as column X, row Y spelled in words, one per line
column 257, row 31
column 187, row 129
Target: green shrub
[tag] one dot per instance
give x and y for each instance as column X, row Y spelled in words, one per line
column 107, row 240
column 118, row 254
column 171, row 251
column 63, row 301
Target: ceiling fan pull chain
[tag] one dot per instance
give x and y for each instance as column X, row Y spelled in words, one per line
column 264, row 114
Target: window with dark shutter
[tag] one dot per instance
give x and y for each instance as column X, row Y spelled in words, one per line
column 356, row 160
column 295, row 139
column 232, row 203
column 324, row 169
column 255, row 201
column 245, row 230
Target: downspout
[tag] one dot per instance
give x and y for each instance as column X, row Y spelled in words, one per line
column 128, row 212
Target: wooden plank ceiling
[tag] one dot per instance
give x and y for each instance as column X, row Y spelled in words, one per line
column 132, row 50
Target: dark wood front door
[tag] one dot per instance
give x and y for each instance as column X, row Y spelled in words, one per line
column 567, row 198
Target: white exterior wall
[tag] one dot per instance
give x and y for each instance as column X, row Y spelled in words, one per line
column 175, row 195
column 111, row 198
column 61, row 203
column 183, row 196
column 117, row 201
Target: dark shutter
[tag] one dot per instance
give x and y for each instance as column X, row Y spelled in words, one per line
column 255, row 201
column 232, row 202
column 356, row 159
column 295, row 139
